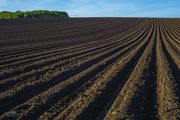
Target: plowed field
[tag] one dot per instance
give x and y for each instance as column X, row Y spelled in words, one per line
column 90, row 69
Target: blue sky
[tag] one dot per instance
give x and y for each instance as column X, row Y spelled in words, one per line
column 99, row 8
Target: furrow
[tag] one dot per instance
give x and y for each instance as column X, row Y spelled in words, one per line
column 19, row 70
column 88, row 100
column 59, row 106
column 172, row 56
column 13, row 80
column 168, row 105
column 170, row 39
column 77, row 76
column 133, row 102
column 31, row 67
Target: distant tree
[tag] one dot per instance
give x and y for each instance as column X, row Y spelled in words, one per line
column 32, row 14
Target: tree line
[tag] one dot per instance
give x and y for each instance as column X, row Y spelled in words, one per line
column 32, row 14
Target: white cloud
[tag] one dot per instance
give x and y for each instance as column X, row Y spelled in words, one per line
column 99, row 8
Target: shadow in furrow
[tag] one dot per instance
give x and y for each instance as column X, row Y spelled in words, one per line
column 151, row 96
column 34, row 90
column 98, row 108
column 174, row 69
column 144, row 104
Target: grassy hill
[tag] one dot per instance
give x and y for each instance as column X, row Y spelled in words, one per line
column 33, row 14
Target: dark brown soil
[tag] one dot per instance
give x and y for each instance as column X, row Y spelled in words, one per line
column 90, row 69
